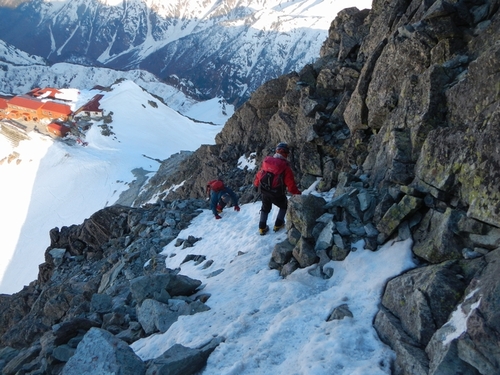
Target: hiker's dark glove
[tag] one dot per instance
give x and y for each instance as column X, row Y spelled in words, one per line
column 237, row 208
column 217, row 217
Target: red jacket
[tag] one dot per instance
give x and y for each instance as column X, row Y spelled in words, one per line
column 278, row 165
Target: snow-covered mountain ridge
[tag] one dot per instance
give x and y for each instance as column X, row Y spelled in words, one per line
column 21, row 72
column 226, row 48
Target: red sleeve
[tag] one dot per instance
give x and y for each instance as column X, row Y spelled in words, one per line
column 257, row 179
column 290, row 181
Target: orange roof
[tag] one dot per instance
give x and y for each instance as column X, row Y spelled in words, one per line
column 57, row 107
column 57, row 128
column 25, row 102
column 51, row 92
column 3, row 103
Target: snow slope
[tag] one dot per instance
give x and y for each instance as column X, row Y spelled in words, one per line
column 52, row 184
column 272, row 325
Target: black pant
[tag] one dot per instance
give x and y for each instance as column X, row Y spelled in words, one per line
column 268, row 200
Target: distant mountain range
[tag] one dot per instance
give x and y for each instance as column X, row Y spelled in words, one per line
column 21, row 72
column 220, row 47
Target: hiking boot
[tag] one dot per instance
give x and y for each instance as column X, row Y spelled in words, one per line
column 278, row 227
column 263, row 231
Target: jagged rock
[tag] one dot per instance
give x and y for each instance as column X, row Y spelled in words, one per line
column 366, row 200
column 109, row 277
column 317, row 230
column 63, row 352
column 65, row 331
column 344, row 186
column 304, row 253
column 155, row 316
column 340, row 312
column 346, row 31
column 411, row 358
column 424, row 309
column 289, row 268
column 99, row 293
column 479, row 345
column 370, row 230
column 404, row 232
column 325, row 239
column 489, row 241
column 57, row 255
column 282, row 254
column 101, row 352
column 441, row 239
column 449, row 276
column 133, row 333
column 95, row 231
column 397, row 214
column 475, row 119
column 166, row 169
column 445, row 359
column 161, row 287
column 339, row 242
column 180, row 360
column 23, row 358
column 115, row 321
column 339, row 253
column 371, row 243
column 101, row 303
column 325, row 218
column 303, row 210
column 342, row 228
column 323, row 264
column 293, row 235
column 6, row 354
column 311, row 163
column 357, row 229
column 198, row 259
column 151, row 286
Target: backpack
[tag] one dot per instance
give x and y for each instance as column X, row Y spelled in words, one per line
column 271, row 179
column 215, row 185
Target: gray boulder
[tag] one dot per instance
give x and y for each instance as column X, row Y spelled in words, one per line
column 303, row 210
column 180, row 360
column 102, row 353
column 162, row 287
column 424, row 309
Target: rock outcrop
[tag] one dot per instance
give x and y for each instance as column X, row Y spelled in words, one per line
column 104, row 285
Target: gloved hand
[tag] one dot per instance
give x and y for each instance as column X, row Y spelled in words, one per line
column 217, row 217
column 237, row 208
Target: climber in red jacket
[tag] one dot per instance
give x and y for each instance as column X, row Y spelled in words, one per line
column 273, row 180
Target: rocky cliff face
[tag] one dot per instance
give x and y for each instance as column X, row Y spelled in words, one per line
column 400, row 114
column 402, row 107
column 103, row 286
